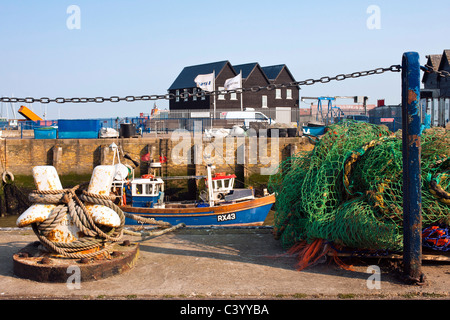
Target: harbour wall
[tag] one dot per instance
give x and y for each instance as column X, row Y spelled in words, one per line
column 185, row 154
column 251, row 159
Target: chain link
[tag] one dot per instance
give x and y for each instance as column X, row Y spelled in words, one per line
column 199, row 94
column 441, row 73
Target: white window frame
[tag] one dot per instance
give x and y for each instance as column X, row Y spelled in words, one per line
column 221, row 96
column 278, row 94
column 194, row 94
column 186, row 97
column 289, row 94
column 177, row 93
column 233, row 96
column 264, row 102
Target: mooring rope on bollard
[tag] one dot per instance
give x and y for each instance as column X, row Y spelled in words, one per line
column 107, row 201
column 68, row 202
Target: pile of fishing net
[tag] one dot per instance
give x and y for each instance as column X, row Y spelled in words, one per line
column 348, row 191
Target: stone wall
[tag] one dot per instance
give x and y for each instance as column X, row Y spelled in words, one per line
column 185, row 155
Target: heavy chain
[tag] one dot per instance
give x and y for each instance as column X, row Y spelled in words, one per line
column 440, row 73
column 183, row 95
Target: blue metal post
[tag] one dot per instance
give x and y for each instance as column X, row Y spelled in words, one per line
column 412, row 197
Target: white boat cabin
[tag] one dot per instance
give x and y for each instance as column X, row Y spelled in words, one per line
column 221, row 189
column 147, row 192
column 150, row 187
column 222, row 185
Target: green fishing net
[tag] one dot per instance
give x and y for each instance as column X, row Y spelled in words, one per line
column 348, row 189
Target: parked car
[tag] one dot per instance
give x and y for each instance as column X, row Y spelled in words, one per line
column 358, row 117
column 248, row 116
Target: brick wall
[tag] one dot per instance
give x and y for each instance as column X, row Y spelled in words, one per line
column 80, row 156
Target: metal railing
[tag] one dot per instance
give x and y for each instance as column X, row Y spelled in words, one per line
column 170, row 124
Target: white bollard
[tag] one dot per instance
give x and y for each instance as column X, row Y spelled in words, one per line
column 101, row 182
column 46, row 178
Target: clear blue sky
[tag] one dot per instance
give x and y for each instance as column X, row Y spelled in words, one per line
column 139, row 47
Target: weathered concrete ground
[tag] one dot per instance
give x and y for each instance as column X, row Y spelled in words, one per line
column 220, row 264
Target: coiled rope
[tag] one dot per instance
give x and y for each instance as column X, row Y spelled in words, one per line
column 435, row 182
column 354, row 156
column 68, row 202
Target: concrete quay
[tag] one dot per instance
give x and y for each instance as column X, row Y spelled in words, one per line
column 213, row 263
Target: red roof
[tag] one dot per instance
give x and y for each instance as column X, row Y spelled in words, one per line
column 221, row 176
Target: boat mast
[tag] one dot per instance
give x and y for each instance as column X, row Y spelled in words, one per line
column 210, row 185
column 115, row 149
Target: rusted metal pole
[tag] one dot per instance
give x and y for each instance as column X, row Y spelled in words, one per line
column 412, row 197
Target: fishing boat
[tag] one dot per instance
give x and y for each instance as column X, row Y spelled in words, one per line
column 220, row 205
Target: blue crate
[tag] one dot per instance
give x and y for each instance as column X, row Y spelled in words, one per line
column 79, row 125
column 78, row 129
column 45, row 133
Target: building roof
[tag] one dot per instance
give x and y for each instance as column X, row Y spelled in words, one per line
column 246, row 69
column 186, row 78
column 272, row 72
column 445, row 57
column 434, row 60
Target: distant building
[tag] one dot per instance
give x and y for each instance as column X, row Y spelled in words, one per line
column 430, row 80
column 390, row 116
column 285, row 97
column 184, row 83
column 253, row 76
column 434, row 85
column 444, row 83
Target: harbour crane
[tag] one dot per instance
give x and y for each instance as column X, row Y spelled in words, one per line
column 334, row 112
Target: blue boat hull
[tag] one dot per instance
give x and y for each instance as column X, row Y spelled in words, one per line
column 246, row 213
column 314, row 131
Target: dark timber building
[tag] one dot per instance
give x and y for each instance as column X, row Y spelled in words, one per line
column 253, row 75
column 434, row 85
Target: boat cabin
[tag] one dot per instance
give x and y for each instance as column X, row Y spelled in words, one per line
column 147, row 192
column 221, row 189
column 222, row 183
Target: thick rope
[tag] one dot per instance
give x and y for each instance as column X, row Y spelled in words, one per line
column 69, row 203
column 103, row 200
column 153, row 233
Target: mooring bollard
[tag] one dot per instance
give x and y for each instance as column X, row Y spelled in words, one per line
column 62, row 220
column 412, row 197
column 100, row 184
column 46, row 179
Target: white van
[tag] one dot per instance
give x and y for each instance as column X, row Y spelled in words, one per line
column 248, row 116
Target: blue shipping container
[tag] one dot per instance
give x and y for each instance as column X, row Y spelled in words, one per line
column 78, row 129
column 45, row 133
